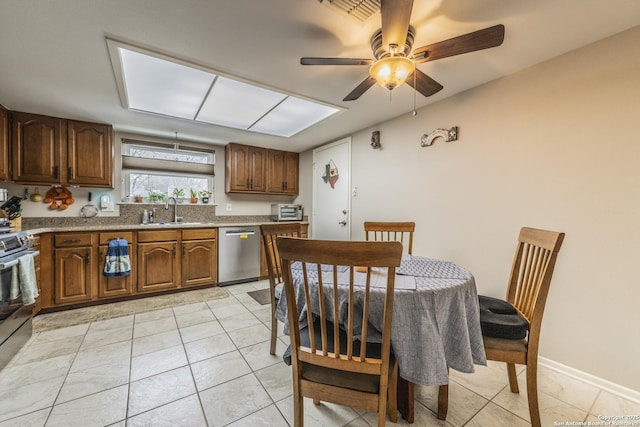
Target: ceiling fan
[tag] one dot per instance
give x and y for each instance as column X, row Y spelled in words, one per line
column 392, row 48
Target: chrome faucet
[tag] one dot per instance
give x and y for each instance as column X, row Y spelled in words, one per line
column 176, row 218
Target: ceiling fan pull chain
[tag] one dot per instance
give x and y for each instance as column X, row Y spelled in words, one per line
column 415, row 113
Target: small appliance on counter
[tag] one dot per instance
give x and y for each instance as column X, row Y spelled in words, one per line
column 281, row 212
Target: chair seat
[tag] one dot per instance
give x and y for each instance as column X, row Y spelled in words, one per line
column 496, row 305
column 499, row 319
column 339, row 378
column 502, row 344
column 278, row 290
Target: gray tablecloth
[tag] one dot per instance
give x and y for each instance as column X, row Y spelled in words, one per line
column 436, row 320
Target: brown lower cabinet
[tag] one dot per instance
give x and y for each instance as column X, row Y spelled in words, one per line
column 73, row 264
column 116, row 286
column 74, row 261
column 158, row 264
column 199, row 248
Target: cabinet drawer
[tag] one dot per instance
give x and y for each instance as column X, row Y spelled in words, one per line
column 200, row 234
column 106, row 237
column 73, row 239
column 158, row 236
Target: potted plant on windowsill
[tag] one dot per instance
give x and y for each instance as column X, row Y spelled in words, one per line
column 157, row 197
column 204, row 196
column 178, row 193
column 194, row 195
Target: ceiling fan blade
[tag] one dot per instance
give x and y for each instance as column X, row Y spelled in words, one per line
column 396, row 15
column 477, row 40
column 360, row 89
column 334, row 61
column 423, row 83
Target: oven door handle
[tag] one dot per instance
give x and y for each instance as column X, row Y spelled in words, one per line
column 15, row 261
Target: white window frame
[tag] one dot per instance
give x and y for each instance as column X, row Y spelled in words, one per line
column 143, row 165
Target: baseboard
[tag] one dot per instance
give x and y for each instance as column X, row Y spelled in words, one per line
column 617, row 389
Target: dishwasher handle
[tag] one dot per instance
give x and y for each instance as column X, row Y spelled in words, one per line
column 240, row 233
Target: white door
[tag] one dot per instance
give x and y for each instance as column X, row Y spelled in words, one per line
column 331, row 195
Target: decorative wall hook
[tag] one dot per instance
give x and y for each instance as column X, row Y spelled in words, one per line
column 375, row 139
column 448, row 135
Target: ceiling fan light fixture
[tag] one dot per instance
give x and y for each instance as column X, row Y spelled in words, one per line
column 392, row 71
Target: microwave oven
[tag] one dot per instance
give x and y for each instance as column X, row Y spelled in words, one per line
column 281, row 212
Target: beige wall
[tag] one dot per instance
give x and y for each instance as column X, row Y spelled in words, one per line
column 555, row 146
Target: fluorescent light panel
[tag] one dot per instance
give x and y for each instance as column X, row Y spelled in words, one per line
column 237, row 104
column 161, row 86
column 291, row 116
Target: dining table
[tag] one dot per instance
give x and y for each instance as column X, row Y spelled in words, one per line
column 435, row 323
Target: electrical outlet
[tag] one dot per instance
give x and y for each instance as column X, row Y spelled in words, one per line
column 229, row 208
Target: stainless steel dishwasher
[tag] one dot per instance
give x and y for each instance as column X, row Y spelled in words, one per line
column 238, row 254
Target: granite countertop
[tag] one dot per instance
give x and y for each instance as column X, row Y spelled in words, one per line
column 138, row 227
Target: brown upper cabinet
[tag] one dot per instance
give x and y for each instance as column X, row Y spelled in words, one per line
column 50, row 150
column 257, row 170
column 245, row 169
column 4, row 144
column 282, row 172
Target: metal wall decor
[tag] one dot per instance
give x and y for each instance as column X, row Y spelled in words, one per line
column 448, row 135
column 375, row 139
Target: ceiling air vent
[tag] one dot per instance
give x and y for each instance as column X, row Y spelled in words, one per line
column 359, row 9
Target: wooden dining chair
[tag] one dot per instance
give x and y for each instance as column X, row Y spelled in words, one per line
column 269, row 234
column 511, row 328
column 389, row 231
column 328, row 363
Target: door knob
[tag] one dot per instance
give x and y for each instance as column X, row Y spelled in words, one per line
column 343, row 222
column 344, row 211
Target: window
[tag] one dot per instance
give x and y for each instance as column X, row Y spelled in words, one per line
column 153, row 168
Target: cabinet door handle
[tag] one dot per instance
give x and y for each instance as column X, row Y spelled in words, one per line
column 184, row 249
column 56, row 172
column 69, row 172
column 71, row 241
column 88, row 258
column 174, row 250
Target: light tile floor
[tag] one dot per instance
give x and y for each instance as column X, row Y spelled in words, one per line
column 208, row 364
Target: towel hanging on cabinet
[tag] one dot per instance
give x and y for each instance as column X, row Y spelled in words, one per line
column 117, row 262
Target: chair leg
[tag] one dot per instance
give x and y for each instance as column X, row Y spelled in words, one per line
column 513, row 378
column 392, row 395
column 406, row 399
column 274, row 329
column 532, row 393
column 382, row 416
column 443, row 401
column 298, row 407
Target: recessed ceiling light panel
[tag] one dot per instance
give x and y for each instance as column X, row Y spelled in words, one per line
column 156, row 83
column 236, row 104
column 292, row 116
column 163, row 87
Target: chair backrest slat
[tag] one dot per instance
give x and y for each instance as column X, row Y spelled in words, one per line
column 532, row 269
column 269, row 234
column 339, row 295
column 391, row 231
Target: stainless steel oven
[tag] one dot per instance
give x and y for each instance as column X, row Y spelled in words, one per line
column 15, row 317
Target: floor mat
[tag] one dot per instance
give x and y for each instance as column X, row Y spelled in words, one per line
column 263, row 296
column 61, row 319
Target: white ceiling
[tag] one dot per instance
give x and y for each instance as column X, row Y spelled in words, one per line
column 54, row 58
